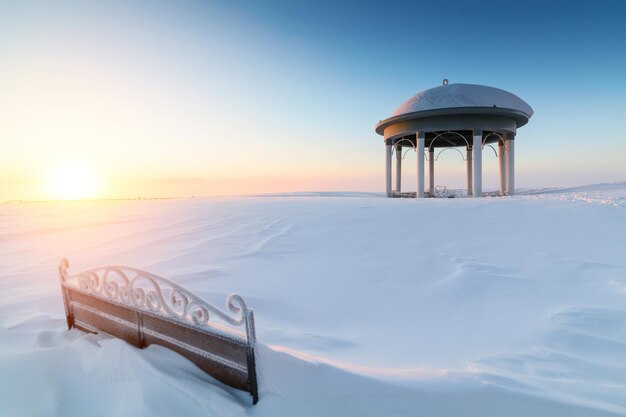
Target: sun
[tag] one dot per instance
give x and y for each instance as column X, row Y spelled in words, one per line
column 72, row 182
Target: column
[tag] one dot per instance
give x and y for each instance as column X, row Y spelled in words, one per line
column 468, row 161
column 502, row 165
column 477, row 154
column 398, row 168
column 431, row 171
column 510, row 163
column 388, row 167
column 419, row 136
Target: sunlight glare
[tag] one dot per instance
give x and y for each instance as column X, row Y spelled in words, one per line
column 73, row 182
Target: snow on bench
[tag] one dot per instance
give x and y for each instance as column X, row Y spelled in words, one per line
column 143, row 309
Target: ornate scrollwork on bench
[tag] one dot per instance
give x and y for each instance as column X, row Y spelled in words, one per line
column 120, row 299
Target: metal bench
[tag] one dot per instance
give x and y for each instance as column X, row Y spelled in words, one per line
column 143, row 309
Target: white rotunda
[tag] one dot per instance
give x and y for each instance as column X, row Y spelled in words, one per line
column 451, row 116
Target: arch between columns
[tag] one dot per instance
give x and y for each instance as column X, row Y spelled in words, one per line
column 474, row 170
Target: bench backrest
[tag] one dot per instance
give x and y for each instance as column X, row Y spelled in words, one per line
column 143, row 309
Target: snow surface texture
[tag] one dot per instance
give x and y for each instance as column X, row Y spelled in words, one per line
column 365, row 306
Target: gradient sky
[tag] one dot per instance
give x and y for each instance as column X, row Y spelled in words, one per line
column 203, row 98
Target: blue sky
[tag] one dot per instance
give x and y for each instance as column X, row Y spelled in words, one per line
column 242, row 96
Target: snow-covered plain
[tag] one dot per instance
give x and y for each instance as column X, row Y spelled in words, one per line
column 365, row 306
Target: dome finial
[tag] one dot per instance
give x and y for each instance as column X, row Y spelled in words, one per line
column 445, row 81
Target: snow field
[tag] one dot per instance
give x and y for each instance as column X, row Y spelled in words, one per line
column 364, row 305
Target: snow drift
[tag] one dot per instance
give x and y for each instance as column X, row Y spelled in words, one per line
column 365, row 305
